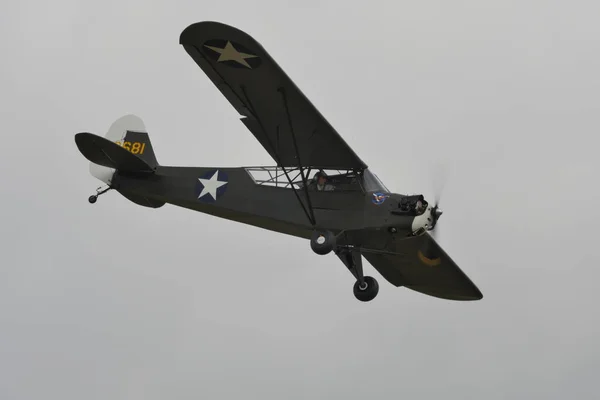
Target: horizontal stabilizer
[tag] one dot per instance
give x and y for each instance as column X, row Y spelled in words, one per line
column 103, row 152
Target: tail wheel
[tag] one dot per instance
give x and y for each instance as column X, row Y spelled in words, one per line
column 367, row 290
column 322, row 242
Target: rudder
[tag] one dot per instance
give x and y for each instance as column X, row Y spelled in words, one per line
column 138, row 143
column 130, row 133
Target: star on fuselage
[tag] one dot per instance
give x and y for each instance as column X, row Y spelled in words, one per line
column 211, row 185
column 229, row 53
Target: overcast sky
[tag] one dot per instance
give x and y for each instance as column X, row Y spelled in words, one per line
column 116, row 301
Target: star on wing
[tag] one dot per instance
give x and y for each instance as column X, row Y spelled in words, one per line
column 211, row 185
column 229, row 53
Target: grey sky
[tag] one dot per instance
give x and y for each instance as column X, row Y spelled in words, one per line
column 115, row 301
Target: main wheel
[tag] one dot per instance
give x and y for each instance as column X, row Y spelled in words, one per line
column 92, row 199
column 368, row 290
column 322, row 242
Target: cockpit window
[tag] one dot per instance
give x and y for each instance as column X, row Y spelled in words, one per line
column 332, row 181
column 318, row 179
column 372, row 183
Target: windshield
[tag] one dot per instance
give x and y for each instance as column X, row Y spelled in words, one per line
column 372, row 182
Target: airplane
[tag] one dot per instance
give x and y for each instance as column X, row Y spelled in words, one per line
column 318, row 190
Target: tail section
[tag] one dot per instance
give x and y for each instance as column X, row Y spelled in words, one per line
column 129, row 133
column 126, row 150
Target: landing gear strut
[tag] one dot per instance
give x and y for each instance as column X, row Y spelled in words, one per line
column 366, row 287
column 93, row 198
column 323, row 242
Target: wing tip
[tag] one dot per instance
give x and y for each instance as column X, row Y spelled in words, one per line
column 190, row 34
column 475, row 297
column 473, row 294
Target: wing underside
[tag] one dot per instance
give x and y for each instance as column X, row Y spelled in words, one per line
column 279, row 115
column 420, row 264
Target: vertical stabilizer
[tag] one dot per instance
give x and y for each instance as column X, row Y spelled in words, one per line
column 129, row 132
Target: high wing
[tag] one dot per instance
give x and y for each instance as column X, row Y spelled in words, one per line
column 420, row 264
column 283, row 120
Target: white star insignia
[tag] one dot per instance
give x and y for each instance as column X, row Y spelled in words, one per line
column 211, row 185
column 229, row 53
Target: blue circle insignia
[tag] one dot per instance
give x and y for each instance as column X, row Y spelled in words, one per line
column 379, row 198
column 211, row 186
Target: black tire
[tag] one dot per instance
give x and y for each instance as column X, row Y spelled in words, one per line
column 322, row 242
column 367, row 293
column 92, row 199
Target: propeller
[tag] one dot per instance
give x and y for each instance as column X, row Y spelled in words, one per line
column 427, row 249
column 436, row 211
column 438, row 186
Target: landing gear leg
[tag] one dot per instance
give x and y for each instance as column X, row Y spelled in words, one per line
column 93, row 198
column 366, row 287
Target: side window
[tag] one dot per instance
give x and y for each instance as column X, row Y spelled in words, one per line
column 316, row 179
column 335, row 181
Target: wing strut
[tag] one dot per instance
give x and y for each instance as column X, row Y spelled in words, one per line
column 304, row 183
column 309, row 213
